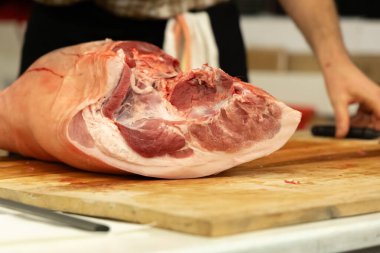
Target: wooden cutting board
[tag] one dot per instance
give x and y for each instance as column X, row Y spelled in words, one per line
column 309, row 179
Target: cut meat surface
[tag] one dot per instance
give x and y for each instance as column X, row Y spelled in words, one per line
column 365, row 118
column 126, row 107
column 152, row 138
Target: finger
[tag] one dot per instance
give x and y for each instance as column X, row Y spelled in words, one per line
column 342, row 119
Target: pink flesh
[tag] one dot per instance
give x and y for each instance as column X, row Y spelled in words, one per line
column 78, row 131
column 196, row 90
column 120, row 92
column 225, row 132
column 365, row 118
column 153, row 138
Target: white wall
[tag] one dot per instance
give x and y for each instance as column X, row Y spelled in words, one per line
column 360, row 35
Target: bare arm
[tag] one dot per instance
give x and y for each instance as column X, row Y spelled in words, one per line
column 317, row 19
column 346, row 84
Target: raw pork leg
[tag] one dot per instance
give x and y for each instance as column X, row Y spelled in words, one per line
column 125, row 107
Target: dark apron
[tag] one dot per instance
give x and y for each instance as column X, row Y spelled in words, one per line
column 51, row 27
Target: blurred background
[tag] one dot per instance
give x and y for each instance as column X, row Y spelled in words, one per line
column 279, row 59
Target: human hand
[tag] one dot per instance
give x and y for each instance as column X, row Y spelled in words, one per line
column 346, row 85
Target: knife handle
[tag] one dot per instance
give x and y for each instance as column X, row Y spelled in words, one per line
column 354, row 132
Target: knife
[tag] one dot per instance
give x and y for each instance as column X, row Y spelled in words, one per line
column 354, row 132
column 54, row 216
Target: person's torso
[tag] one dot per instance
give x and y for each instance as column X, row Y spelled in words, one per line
column 160, row 9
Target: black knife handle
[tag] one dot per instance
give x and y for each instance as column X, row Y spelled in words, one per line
column 354, row 132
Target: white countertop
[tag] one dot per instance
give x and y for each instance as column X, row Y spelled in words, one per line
column 23, row 233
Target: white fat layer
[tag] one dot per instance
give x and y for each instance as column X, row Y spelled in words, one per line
column 115, row 67
column 105, row 133
column 148, row 86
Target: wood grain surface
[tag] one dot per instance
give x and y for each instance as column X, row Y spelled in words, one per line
column 310, row 179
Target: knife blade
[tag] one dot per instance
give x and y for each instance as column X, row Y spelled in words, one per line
column 353, row 132
column 54, row 216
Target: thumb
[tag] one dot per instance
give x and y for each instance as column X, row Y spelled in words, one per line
column 342, row 119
